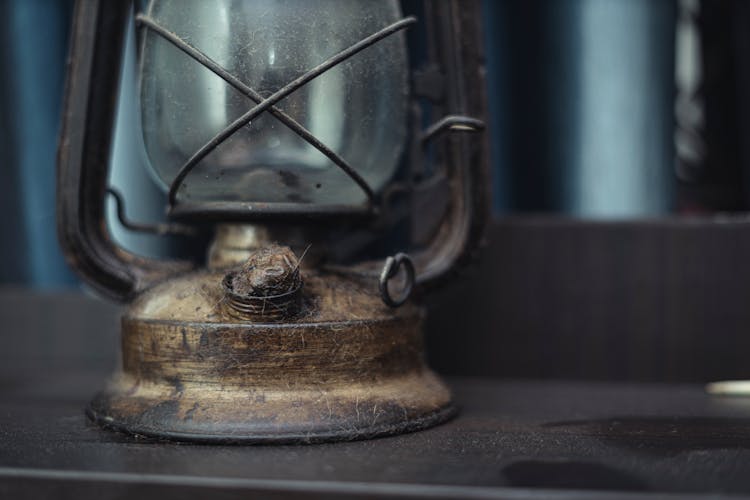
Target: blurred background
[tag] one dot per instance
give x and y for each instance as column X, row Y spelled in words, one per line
column 620, row 150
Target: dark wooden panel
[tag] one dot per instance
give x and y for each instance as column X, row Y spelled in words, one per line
column 654, row 300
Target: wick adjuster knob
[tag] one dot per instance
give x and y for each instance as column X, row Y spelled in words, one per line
column 267, row 287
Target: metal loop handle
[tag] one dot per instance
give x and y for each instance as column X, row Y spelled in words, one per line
column 390, row 270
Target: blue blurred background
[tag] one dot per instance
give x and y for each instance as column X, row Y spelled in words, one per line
column 598, row 109
column 33, row 47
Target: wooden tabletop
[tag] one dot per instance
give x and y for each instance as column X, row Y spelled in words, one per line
column 513, row 439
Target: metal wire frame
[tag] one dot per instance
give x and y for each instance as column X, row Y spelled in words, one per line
column 158, row 229
column 85, row 145
column 450, row 123
column 263, row 104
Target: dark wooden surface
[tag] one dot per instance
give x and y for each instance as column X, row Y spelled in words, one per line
column 513, row 439
column 661, row 300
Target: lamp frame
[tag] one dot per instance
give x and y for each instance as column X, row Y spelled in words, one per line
column 202, row 365
column 456, row 64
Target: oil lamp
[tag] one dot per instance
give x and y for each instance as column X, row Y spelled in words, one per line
column 340, row 182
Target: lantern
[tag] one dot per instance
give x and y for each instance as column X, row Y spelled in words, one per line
column 341, row 182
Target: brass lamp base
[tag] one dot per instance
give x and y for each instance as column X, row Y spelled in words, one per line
column 347, row 367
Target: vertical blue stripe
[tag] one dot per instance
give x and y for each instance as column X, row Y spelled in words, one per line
column 623, row 162
column 581, row 99
column 39, row 29
column 493, row 40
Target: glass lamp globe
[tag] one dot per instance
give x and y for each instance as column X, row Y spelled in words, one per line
column 358, row 108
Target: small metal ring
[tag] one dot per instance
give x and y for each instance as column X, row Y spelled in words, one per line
column 390, row 270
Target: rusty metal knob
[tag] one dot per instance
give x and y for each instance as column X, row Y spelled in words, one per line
column 267, row 287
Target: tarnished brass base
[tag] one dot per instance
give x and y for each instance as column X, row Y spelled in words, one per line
column 346, row 368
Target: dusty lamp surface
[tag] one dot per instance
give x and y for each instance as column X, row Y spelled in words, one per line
column 285, row 126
